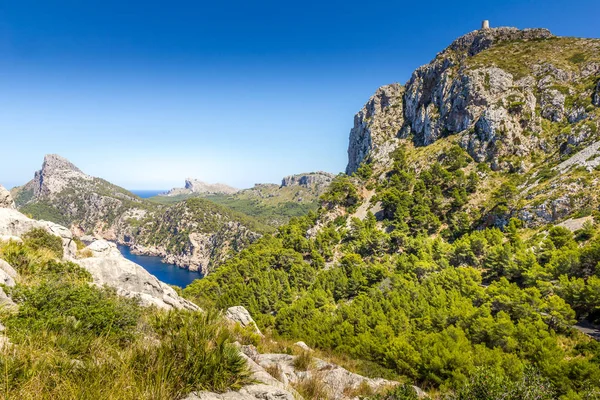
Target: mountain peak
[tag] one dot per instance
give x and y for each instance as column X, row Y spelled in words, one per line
column 477, row 41
column 54, row 162
column 55, row 175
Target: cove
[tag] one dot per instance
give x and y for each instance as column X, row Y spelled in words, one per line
column 167, row 273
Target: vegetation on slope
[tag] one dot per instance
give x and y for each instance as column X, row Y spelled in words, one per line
column 268, row 203
column 70, row 339
column 423, row 295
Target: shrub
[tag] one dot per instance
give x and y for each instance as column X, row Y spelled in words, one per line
column 400, row 392
column 486, row 384
column 77, row 312
column 195, row 353
column 39, row 238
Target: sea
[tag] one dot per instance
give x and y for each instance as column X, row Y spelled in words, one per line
column 144, row 194
column 167, row 273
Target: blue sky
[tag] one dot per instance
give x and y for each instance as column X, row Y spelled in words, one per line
column 146, row 93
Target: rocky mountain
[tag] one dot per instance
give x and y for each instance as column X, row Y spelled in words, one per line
column 193, row 186
column 461, row 251
column 522, row 101
column 271, row 204
column 195, row 234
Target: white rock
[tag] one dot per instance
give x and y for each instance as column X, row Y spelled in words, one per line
column 15, row 224
column 303, row 346
column 6, row 279
column 6, row 200
column 240, row 315
column 8, row 269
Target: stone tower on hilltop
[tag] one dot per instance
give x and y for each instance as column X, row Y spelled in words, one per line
column 485, row 24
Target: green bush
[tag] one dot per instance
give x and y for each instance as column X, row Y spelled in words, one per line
column 400, row 392
column 77, row 311
column 39, row 238
column 195, row 353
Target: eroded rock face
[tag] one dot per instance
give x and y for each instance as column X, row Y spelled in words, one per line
column 109, row 267
column 497, row 115
column 596, row 95
column 6, row 200
column 319, row 178
column 375, row 127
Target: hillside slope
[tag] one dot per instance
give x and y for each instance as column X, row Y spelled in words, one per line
column 194, row 234
column 464, row 246
column 269, row 203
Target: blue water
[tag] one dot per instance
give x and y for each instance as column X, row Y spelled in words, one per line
column 144, row 194
column 168, row 273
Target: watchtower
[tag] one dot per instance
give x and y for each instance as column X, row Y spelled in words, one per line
column 485, row 24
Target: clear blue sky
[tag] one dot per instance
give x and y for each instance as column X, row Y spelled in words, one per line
column 146, row 93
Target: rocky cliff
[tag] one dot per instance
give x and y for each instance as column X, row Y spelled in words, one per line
column 197, row 235
column 318, row 179
column 499, row 90
column 520, row 101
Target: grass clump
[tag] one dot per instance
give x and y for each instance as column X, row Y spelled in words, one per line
column 312, row 388
column 303, row 361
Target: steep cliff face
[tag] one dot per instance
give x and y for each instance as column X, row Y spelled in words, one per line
column 376, row 127
column 502, row 91
column 191, row 234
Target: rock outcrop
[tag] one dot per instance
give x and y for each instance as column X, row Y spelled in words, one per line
column 319, row 178
column 240, row 315
column 195, row 186
column 108, row 267
column 596, row 95
column 13, row 225
column 376, row 126
column 474, row 90
column 6, row 200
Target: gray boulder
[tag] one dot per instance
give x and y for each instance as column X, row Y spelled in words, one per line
column 6, row 200
column 240, row 315
column 8, row 269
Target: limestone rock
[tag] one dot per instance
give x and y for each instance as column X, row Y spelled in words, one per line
column 375, row 127
column 5, row 301
column 6, row 200
column 198, row 186
column 596, row 95
column 553, row 105
column 109, row 267
column 6, row 279
column 15, row 224
column 319, row 178
column 239, row 314
column 337, row 380
column 8, row 269
column 57, row 174
column 303, row 346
